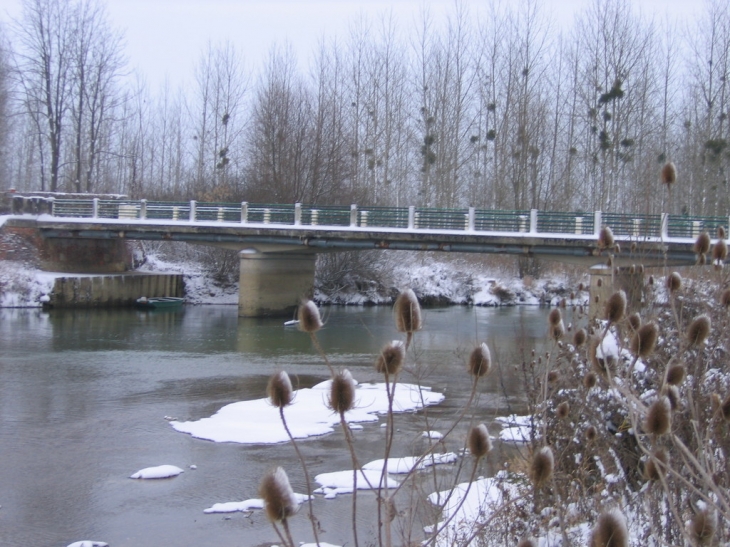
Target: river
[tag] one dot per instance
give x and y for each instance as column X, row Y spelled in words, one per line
column 84, row 397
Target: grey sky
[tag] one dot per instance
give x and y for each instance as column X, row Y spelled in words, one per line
column 165, row 38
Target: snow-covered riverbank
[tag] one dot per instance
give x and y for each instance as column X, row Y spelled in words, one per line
column 436, row 279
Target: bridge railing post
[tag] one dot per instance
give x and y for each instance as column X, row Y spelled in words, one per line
column 95, row 208
column 471, row 222
column 664, row 233
column 411, row 217
column 192, row 210
column 353, row 215
column 597, row 220
column 533, row 221
column 297, row 214
column 244, row 212
column 143, row 209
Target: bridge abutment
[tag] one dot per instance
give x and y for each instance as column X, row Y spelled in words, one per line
column 274, row 283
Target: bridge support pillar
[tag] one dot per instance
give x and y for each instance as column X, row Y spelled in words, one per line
column 606, row 280
column 274, row 283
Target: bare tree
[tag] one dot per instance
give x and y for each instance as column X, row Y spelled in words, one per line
column 44, row 61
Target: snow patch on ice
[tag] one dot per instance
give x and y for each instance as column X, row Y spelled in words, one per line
column 343, row 482
column 307, row 416
column 158, row 472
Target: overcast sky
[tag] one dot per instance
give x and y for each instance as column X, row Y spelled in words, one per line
column 165, row 38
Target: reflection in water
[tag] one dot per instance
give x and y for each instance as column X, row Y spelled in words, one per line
column 84, row 395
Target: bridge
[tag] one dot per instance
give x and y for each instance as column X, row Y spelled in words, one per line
column 278, row 242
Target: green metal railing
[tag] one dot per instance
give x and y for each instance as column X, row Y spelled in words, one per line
column 632, row 226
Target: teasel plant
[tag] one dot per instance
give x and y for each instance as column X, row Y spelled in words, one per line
column 280, row 502
column 281, row 395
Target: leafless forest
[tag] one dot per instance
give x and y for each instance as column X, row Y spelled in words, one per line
column 493, row 108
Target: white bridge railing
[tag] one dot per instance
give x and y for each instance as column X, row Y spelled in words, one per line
column 410, row 218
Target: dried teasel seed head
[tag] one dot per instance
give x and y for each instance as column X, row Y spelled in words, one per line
column 703, row 526
column 480, row 361
column 391, row 358
column 309, row 318
column 658, row 417
column 725, row 298
column 719, row 251
column 605, row 238
column 634, row 321
column 591, row 433
column 590, row 380
column 656, row 465
column 555, row 317
column 581, row 287
column 644, row 340
column 725, row 409
column 552, row 376
column 632, row 269
column 342, row 392
column 599, row 282
column 563, row 410
column 672, row 393
column 616, row 307
column 720, row 232
column 651, row 280
column 702, row 243
column 674, row 282
column 675, row 375
column 541, row 468
column 407, row 312
column 610, row 530
column 617, row 248
column 527, row 542
column 699, row 330
column 640, row 269
column 478, row 442
column 579, row 338
column 279, row 499
column 668, row 174
column 279, row 389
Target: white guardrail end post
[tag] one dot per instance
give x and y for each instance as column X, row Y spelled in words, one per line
column 597, row 220
column 533, row 221
column 471, row 223
column 244, row 212
column 143, row 209
column 411, row 217
column 192, row 210
column 665, row 226
column 297, row 214
column 353, row 215
column 95, row 208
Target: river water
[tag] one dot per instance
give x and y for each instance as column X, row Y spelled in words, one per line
column 84, row 397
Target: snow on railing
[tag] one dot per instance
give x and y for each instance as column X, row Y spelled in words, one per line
column 412, row 218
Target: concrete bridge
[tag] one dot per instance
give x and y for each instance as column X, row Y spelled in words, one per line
column 277, row 243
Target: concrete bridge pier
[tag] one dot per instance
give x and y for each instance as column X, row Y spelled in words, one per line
column 606, row 280
column 274, row 283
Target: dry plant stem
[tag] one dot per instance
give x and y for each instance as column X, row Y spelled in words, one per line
column 321, row 352
column 355, row 469
column 286, row 543
column 448, row 432
column 285, row 525
column 312, row 519
column 461, row 503
column 502, row 508
column 383, row 484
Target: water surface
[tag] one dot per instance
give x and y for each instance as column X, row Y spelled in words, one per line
column 84, row 397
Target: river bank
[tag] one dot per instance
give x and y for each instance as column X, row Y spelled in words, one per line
column 436, row 280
